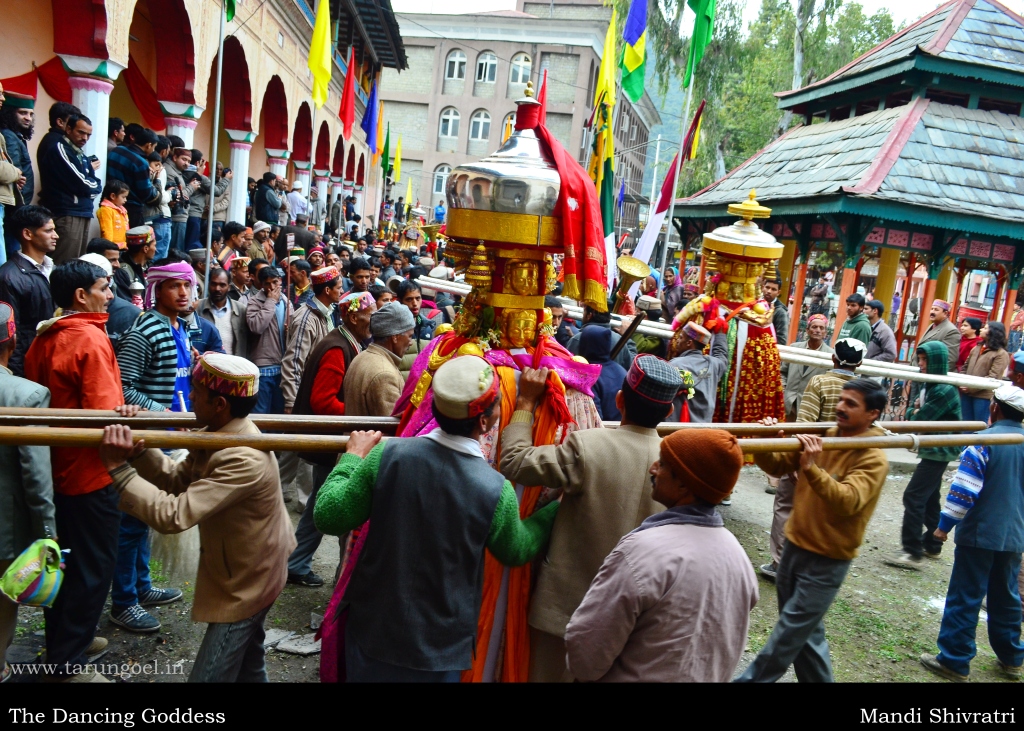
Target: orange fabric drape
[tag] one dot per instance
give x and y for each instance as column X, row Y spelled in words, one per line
column 515, row 667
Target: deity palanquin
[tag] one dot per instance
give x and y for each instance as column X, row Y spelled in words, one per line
column 736, row 257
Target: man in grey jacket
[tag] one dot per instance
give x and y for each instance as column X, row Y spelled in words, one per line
column 266, row 315
column 882, row 345
column 26, row 487
column 707, row 370
column 180, row 158
column 942, row 330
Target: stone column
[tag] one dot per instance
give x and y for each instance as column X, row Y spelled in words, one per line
column 321, row 182
column 182, row 120
column 278, row 162
column 302, row 172
column 241, row 144
column 942, row 287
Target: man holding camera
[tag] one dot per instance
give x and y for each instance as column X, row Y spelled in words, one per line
column 182, row 188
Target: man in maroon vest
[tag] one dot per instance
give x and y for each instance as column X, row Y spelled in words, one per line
column 322, row 391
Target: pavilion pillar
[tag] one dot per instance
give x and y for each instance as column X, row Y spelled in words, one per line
column 961, row 273
column 993, row 316
column 849, row 287
column 908, row 282
column 241, row 145
column 798, row 301
column 277, row 161
column 787, row 262
column 888, row 269
column 1011, row 300
column 942, row 286
column 927, row 299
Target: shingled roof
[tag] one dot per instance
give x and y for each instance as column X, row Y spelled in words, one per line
column 981, row 33
column 934, row 159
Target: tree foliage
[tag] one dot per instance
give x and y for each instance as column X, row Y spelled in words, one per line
column 744, row 67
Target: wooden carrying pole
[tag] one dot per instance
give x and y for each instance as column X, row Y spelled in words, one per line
column 331, row 425
column 62, row 437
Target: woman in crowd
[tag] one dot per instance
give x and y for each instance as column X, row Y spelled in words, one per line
column 988, row 359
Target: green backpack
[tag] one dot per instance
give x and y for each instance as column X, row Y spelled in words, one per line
column 34, row 578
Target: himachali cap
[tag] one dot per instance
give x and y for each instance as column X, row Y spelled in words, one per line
column 327, row 274
column 652, row 378
column 139, row 235
column 260, row 226
column 356, row 301
column 20, row 91
column 7, row 323
column 817, row 317
column 241, row 261
column 648, row 303
column 942, row 305
column 227, row 375
column 691, row 288
column 850, row 351
column 698, row 333
column 465, row 387
column 1011, row 395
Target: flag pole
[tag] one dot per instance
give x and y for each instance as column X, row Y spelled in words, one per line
column 675, row 181
column 213, row 152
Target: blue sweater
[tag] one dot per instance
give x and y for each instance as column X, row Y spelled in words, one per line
column 127, row 164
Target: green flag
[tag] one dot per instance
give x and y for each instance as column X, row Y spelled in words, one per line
column 703, row 30
column 385, row 161
column 229, row 6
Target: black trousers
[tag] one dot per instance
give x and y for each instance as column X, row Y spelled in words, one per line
column 88, row 526
column 921, row 505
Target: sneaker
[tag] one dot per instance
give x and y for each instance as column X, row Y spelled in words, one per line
column 934, row 556
column 309, row 579
column 135, row 619
column 904, row 561
column 155, row 597
column 769, row 570
column 96, row 649
column 726, row 502
column 770, row 490
column 89, row 675
column 931, row 662
column 1011, row 672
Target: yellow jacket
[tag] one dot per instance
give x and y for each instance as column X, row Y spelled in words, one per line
column 113, row 223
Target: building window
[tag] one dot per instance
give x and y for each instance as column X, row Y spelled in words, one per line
column 632, row 133
column 521, row 67
column 280, row 39
column 441, row 173
column 486, row 67
column 456, row 66
column 480, row 126
column 449, row 123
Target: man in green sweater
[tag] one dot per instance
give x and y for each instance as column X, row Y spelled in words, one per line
column 434, row 504
column 857, row 325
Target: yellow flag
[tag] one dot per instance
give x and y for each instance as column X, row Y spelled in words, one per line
column 605, row 91
column 320, row 54
column 380, row 133
column 398, row 160
column 408, row 193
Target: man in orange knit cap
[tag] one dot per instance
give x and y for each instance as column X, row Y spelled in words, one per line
column 680, row 580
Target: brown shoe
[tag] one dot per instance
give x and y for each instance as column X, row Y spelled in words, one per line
column 1010, row 672
column 96, row 649
column 931, row 662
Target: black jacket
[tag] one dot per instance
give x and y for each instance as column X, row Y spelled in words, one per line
column 28, row 292
column 68, row 184
column 18, row 151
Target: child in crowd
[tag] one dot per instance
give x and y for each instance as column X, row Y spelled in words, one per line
column 112, row 214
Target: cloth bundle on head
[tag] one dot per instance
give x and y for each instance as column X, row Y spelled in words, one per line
column 325, row 275
column 356, row 301
column 260, row 226
column 708, row 461
column 653, row 378
column 1010, row 395
column 850, row 351
column 393, row 318
column 156, row 275
column 228, row 375
column 697, row 333
column 464, row 387
column 817, row 318
column 101, row 261
column 8, row 326
column 138, row 236
column 249, row 231
column 942, row 305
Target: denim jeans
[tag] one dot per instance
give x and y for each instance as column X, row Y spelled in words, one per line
column 977, row 572
column 270, row 400
column 807, row 584
column 232, row 652
column 162, row 232
column 974, row 409
column 193, row 230
column 178, row 235
column 131, row 577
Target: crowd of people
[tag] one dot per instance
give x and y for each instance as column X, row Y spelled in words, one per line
column 640, row 578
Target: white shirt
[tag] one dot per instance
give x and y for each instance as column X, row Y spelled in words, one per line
column 297, row 204
column 222, row 319
column 46, row 267
column 463, row 445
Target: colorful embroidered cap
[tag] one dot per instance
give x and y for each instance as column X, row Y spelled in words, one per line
column 139, row 236
column 817, row 318
column 691, row 289
column 356, row 301
column 241, row 261
column 227, row 375
column 942, row 305
column 327, row 274
column 7, row 324
column 654, row 379
column 465, row 387
column 697, row 333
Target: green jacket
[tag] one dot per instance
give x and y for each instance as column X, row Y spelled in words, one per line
column 858, row 328
column 941, row 400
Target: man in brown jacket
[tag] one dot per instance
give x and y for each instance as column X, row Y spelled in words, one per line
column 604, row 476
column 374, row 382
column 235, row 496
column 836, row 493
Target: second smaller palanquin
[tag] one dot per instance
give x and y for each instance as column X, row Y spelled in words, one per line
column 737, row 259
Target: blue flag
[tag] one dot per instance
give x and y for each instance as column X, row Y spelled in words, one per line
column 622, row 195
column 369, row 123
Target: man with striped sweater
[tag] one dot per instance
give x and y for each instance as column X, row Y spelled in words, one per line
column 986, row 506
column 155, row 358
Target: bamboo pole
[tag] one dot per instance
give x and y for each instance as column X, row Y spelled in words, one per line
column 334, row 425
column 90, row 438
